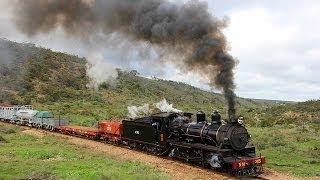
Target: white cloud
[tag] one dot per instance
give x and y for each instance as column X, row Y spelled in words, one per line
column 314, row 53
column 277, row 60
column 256, row 28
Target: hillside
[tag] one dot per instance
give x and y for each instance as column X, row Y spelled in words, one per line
column 57, row 81
column 29, row 73
column 301, row 113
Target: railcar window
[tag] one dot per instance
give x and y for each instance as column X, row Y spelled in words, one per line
column 156, row 123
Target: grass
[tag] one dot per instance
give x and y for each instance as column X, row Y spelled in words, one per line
column 23, row 157
column 289, row 149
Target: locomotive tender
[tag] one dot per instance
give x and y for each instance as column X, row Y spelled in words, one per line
column 219, row 145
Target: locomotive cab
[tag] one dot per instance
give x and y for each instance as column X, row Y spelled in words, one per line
column 147, row 132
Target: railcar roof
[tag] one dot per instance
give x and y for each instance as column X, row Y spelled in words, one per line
column 148, row 119
column 6, row 105
column 163, row 114
column 44, row 114
column 143, row 120
column 166, row 114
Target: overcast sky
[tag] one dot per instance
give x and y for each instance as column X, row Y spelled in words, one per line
column 276, row 42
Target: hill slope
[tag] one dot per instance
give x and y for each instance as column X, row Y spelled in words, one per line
column 57, row 81
column 301, row 113
column 31, row 73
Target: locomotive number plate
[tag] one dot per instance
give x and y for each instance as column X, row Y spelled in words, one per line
column 258, row 161
column 242, row 164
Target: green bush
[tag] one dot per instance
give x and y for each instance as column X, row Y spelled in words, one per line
column 288, row 149
column 2, row 139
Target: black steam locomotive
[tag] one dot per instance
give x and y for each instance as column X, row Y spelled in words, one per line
column 223, row 146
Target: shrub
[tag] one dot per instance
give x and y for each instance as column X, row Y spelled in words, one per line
column 2, row 140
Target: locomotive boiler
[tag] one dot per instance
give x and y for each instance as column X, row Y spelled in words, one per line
column 232, row 134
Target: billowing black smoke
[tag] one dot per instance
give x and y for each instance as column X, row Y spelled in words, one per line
column 187, row 29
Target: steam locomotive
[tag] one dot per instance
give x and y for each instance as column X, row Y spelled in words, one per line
column 215, row 144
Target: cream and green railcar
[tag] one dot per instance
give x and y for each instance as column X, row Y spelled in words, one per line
column 46, row 120
column 26, row 115
column 8, row 112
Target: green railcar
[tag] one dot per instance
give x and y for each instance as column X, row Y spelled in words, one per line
column 46, row 120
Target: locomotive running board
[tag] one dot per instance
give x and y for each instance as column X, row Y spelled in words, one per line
column 198, row 146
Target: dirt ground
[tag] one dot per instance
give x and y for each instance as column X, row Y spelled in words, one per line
column 176, row 170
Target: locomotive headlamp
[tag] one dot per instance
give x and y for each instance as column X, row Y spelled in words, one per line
column 240, row 120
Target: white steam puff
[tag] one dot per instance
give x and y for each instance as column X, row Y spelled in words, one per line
column 138, row 111
column 164, row 106
column 144, row 110
column 99, row 71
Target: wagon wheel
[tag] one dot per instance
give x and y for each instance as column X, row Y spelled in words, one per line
column 161, row 151
column 132, row 145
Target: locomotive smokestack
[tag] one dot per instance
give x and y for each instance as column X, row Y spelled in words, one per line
column 187, row 31
column 232, row 115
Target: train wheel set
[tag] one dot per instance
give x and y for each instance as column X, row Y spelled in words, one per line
column 216, row 145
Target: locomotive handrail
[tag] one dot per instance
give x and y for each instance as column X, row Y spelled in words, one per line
column 201, row 132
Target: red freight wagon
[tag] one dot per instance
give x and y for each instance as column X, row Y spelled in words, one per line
column 90, row 133
column 110, row 131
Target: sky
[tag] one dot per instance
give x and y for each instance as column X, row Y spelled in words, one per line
column 276, row 43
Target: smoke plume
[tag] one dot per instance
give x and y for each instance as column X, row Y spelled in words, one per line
column 186, row 30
